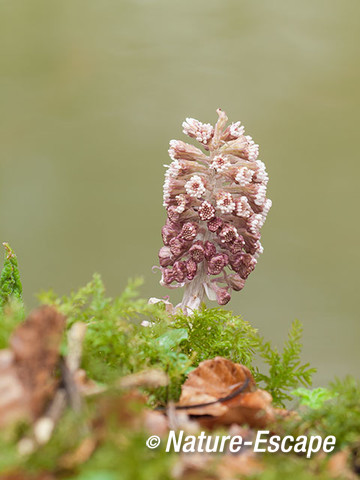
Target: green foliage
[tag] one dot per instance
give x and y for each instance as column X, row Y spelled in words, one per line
column 216, row 332
column 285, row 370
column 117, row 344
column 312, row 398
column 291, row 467
column 11, row 315
column 10, row 284
column 339, row 416
column 173, row 337
column 121, row 454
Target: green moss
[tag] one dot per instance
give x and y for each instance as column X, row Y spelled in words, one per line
column 10, row 283
column 117, row 344
column 285, row 369
column 11, row 315
column 339, row 415
column 314, row 398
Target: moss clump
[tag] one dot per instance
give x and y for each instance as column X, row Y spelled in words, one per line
column 117, row 344
column 339, row 414
column 10, row 283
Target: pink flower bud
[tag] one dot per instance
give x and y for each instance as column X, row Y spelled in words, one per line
column 191, row 269
column 236, row 261
column 217, row 263
column 225, row 202
column 246, row 266
column 233, row 131
column 235, row 282
column 222, row 294
column 173, row 214
column 215, row 224
column 206, row 211
column 197, row 252
column 177, row 246
column 179, row 271
column 184, row 151
column 251, row 243
column 168, row 231
column 228, row 233
column 188, row 231
column 237, row 245
column 203, row 132
column 165, row 257
column 167, row 276
column 210, row 250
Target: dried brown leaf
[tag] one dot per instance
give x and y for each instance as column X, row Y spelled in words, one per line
column 251, row 408
column 35, row 344
column 27, row 368
column 230, row 388
column 212, row 380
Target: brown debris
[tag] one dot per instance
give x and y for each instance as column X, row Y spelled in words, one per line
column 339, row 465
column 152, row 378
column 28, row 368
column 252, row 408
column 12, row 403
column 128, row 411
column 85, row 385
column 21, row 475
column 214, row 381
column 211, row 380
column 81, row 454
column 35, row 344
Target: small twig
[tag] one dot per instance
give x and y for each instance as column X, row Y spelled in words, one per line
column 76, row 337
column 70, row 386
column 219, row 400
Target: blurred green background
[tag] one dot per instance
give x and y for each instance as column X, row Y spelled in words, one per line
column 92, row 91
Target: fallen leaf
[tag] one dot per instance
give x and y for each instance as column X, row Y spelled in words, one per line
column 251, row 408
column 27, row 368
column 213, row 380
column 220, row 392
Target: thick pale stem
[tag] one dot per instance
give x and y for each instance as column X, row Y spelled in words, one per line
column 194, row 292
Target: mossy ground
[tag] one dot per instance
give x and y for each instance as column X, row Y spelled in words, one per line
column 116, row 344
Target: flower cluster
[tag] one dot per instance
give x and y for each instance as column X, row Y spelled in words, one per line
column 216, row 205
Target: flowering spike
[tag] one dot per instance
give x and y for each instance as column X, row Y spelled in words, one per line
column 216, row 205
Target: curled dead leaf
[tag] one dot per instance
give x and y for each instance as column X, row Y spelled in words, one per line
column 211, row 381
column 251, row 408
column 220, row 392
